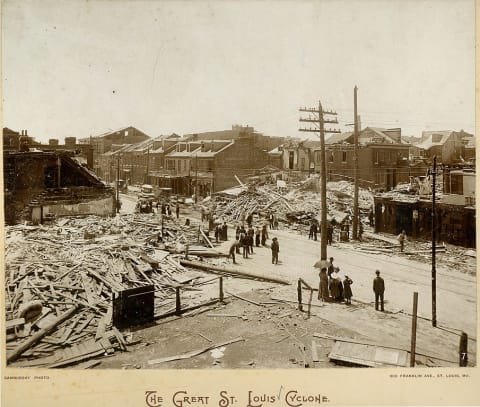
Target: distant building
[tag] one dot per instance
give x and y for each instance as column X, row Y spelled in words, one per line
column 103, row 143
column 446, row 145
column 382, row 157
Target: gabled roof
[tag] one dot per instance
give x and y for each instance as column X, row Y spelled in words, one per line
column 211, row 148
column 337, row 138
column 313, row 144
column 380, row 133
column 275, row 151
column 434, row 138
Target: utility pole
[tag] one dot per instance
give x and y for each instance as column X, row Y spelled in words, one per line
column 434, row 244
column 196, row 177
column 118, row 190
column 355, row 167
column 316, row 116
column 148, row 165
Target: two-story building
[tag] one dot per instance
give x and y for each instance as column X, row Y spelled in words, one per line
column 447, row 145
column 382, row 157
column 202, row 167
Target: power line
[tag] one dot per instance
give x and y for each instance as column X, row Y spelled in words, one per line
column 316, row 116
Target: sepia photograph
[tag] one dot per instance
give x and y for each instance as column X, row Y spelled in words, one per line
column 222, row 189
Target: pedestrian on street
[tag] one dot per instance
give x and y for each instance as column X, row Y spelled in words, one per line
column 331, row 268
column 323, row 288
column 347, row 290
column 370, row 217
column 258, row 232
column 329, row 234
column 378, row 289
column 402, row 238
column 270, row 219
column 264, row 234
column 315, row 230
column 244, row 244
column 310, row 232
column 336, row 288
column 360, row 231
column 251, row 234
column 217, row 233
column 232, row 250
column 275, row 249
column 275, row 222
column 224, row 231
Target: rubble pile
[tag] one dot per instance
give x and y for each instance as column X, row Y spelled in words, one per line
column 251, row 201
column 74, row 267
column 297, row 207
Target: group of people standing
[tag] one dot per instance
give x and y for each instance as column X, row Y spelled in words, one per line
column 247, row 238
column 221, row 232
column 332, row 288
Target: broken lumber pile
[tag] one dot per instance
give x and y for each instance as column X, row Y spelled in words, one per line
column 59, row 286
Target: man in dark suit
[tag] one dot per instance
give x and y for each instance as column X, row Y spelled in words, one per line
column 378, row 289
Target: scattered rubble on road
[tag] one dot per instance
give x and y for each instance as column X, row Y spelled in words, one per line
column 61, row 279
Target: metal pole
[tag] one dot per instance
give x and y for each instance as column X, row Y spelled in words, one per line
column 414, row 330
column 434, row 243
column 355, row 168
column 323, row 190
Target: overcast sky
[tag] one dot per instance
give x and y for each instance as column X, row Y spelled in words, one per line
column 79, row 68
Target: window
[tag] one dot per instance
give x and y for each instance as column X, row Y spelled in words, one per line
column 330, row 156
column 185, row 165
column 302, row 161
column 344, row 156
column 171, row 164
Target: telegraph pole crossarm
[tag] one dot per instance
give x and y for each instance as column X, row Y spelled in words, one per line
column 320, row 121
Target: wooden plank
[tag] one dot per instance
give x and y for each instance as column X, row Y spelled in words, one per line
column 194, row 353
column 206, row 238
column 84, row 324
column 88, row 291
column 244, row 299
column 31, row 341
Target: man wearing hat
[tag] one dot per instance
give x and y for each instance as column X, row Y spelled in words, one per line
column 378, row 289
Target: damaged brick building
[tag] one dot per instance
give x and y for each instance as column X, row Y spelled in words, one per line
column 42, row 184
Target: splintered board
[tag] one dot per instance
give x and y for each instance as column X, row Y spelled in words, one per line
column 368, row 355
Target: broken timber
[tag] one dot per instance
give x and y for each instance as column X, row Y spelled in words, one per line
column 223, row 269
column 40, row 334
column 194, row 353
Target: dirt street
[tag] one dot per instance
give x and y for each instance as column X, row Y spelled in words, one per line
column 277, row 335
